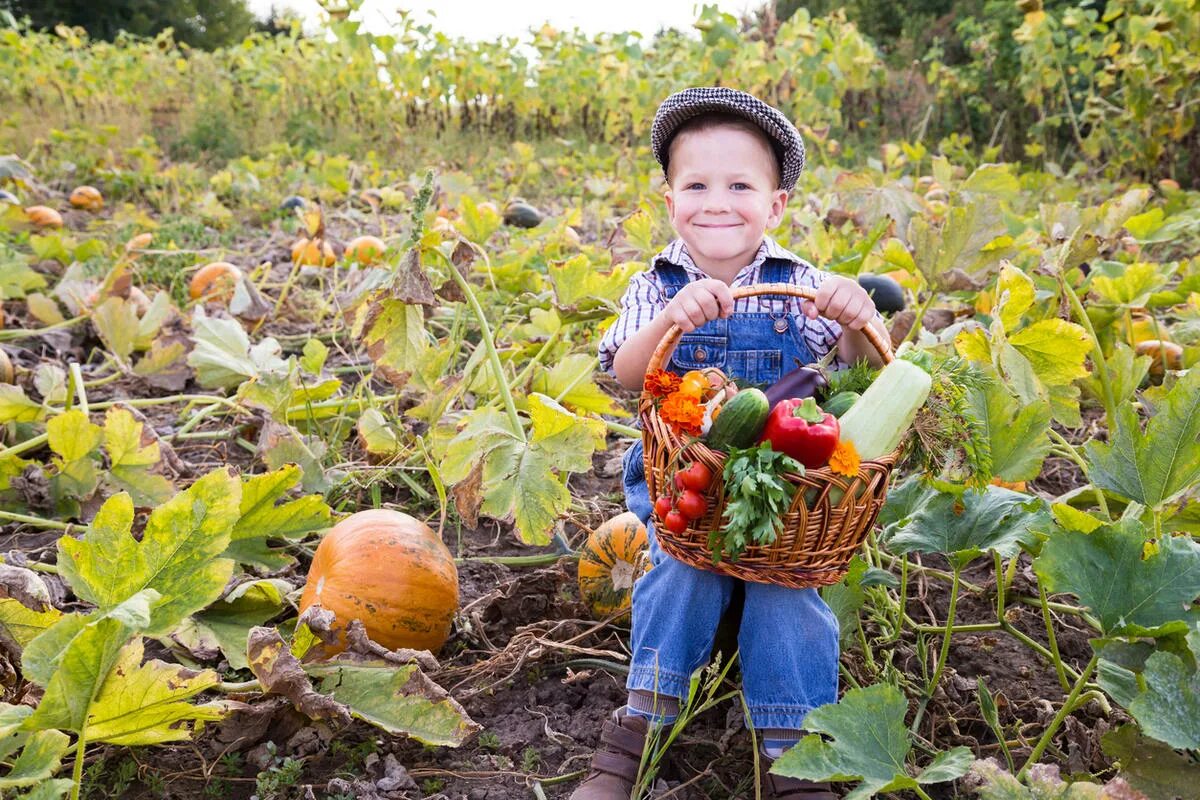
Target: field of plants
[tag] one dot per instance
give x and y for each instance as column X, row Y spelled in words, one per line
column 249, row 293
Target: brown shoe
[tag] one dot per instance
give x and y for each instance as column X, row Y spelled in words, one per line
column 615, row 764
column 777, row 787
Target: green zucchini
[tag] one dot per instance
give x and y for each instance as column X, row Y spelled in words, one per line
column 740, row 420
column 879, row 420
column 840, row 403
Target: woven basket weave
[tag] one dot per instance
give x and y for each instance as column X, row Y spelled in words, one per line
column 819, row 536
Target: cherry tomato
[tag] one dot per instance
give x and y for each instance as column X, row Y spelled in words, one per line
column 663, row 506
column 692, row 504
column 697, row 477
column 679, row 485
column 675, row 522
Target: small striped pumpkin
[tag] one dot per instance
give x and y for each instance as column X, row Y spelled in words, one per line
column 613, row 557
column 391, row 572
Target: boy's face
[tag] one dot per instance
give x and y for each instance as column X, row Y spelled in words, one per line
column 723, row 197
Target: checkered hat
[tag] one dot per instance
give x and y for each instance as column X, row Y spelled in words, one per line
column 682, row 106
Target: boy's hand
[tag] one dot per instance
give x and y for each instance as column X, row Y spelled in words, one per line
column 842, row 300
column 699, row 302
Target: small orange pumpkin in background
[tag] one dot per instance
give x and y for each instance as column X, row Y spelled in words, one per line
column 313, row 253
column 216, row 280
column 1160, row 351
column 365, row 250
column 1015, row 486
column 88, row 198
column 139, row 242
column 391, row 572
column 44, row 217
column 613, row 557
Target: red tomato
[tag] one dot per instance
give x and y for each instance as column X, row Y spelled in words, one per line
column 663, row 506
column 697, row 477
column 675, row 522
column 678, row 481
column 692, row 504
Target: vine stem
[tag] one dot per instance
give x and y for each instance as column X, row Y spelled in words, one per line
column 1067, row 706
column 24, row 333
column 1071, row 453
column 915, row 330
column 942, row 656
column 77, row 769
column 1052, row 638
column 43, row 523
column 1110, row 402
column 29, row 444
column 489, row 342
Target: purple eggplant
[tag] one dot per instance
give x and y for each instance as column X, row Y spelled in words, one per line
column 804, row 381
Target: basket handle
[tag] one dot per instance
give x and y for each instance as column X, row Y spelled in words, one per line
column 671, row 337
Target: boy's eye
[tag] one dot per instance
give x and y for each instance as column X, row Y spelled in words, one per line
column 695, row 186
column 741, row 186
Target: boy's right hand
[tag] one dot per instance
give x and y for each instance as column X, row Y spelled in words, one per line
column 699, row 302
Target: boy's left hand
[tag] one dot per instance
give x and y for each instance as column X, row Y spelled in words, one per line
column 843, row 301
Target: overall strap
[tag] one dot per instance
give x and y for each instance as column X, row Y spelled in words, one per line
column 673, row 278
column 777, row 270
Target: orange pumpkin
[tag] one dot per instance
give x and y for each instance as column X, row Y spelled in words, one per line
column 366, row 250
column 139, row 242
column 87, row 198
column 44, row 217
column 391, row 572
column 1160, row 352
column 216, row 281
column 313, row 252
column 613, row 557
column 1016, row 486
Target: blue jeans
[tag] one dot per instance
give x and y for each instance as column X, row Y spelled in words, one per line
column 788, row 639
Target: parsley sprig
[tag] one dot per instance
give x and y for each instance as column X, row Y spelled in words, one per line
column 756, row 497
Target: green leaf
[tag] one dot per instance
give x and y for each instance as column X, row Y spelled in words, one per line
column 978, row 521
column 49, row 790
column 376, row 435
column 396, row 698
column 395, row 338
column 116, row 321
column 1055, row 348
column 995, row 179
column 17, row 278
column 261, row 519
column 1152, row 468
column 22, row 625
column 1018, row 433
column 1014, row 295
column 1151, row 767
column 1169, row 708
column 151, row 323
column 959, row 243
column 567, row 438
column 1126, row 371
column 247, row 605
column 1127, row 592
column 571, row 377
column 1073, row 519
column 870, row 743
column 81, row 660
column 315, row 353
column 164, row 366
column 142, row 704
column 222, row 355
column 40, row 758
column 579, row 284
column 1132, row 285
column 846, row 597
column 178, row 554
column 132, row 458
column 75, row 442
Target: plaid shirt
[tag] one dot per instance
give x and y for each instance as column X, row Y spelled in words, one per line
column 645, row 298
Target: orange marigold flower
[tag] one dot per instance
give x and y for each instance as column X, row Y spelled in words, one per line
column 845, row 460
column 683, row 413
column 660, row 383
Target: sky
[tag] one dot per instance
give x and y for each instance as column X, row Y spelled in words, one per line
column 489, row 19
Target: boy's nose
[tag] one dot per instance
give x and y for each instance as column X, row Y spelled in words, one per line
column 716, row 201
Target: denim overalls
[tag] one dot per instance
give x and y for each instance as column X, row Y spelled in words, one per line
column 788, row 640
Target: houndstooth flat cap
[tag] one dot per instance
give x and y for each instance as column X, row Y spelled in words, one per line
column 682, row 106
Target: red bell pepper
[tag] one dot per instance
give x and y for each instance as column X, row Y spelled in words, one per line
column 800, row 429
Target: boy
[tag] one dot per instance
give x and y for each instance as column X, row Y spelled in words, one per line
column 730, row 161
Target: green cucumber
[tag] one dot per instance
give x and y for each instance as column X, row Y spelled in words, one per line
column 740, row 420
column 840, row 403
column 880, row 418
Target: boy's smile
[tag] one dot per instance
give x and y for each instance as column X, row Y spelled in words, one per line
column 723, row 197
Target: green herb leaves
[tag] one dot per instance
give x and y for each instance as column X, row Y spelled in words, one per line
column 756, row 497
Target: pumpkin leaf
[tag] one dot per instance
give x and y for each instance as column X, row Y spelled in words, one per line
column 991, row 782
column 1056, row 350
column 1129, row 593
column 132, row 457
column 21, row 625
column 1014, row 295
column 398, row 699
column 579, row 285
column 869, row 743
column 968, row 525
column 178, row 554
column 261, row 519
column 376, row 435
column 1155, row 466
column 570, row 380
column 1130, row 285
column 75, row 442
column 1169, row 708
column 222, row 355
column 142, row 704
column 41, row 757
column 116, row 321
column 1151, row 767
column 73, row 658
column 164, row 367
column 394, row 334
column 246, row 606
column 1018, row 434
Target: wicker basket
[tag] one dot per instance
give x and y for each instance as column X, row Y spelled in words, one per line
column 819, row 536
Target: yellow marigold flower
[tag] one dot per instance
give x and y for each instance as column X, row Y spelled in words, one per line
column 845, row 460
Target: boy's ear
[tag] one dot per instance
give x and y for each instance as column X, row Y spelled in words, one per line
column 778, row 205
column 669, row 199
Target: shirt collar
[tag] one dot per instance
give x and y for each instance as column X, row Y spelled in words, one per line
column 676, row 253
